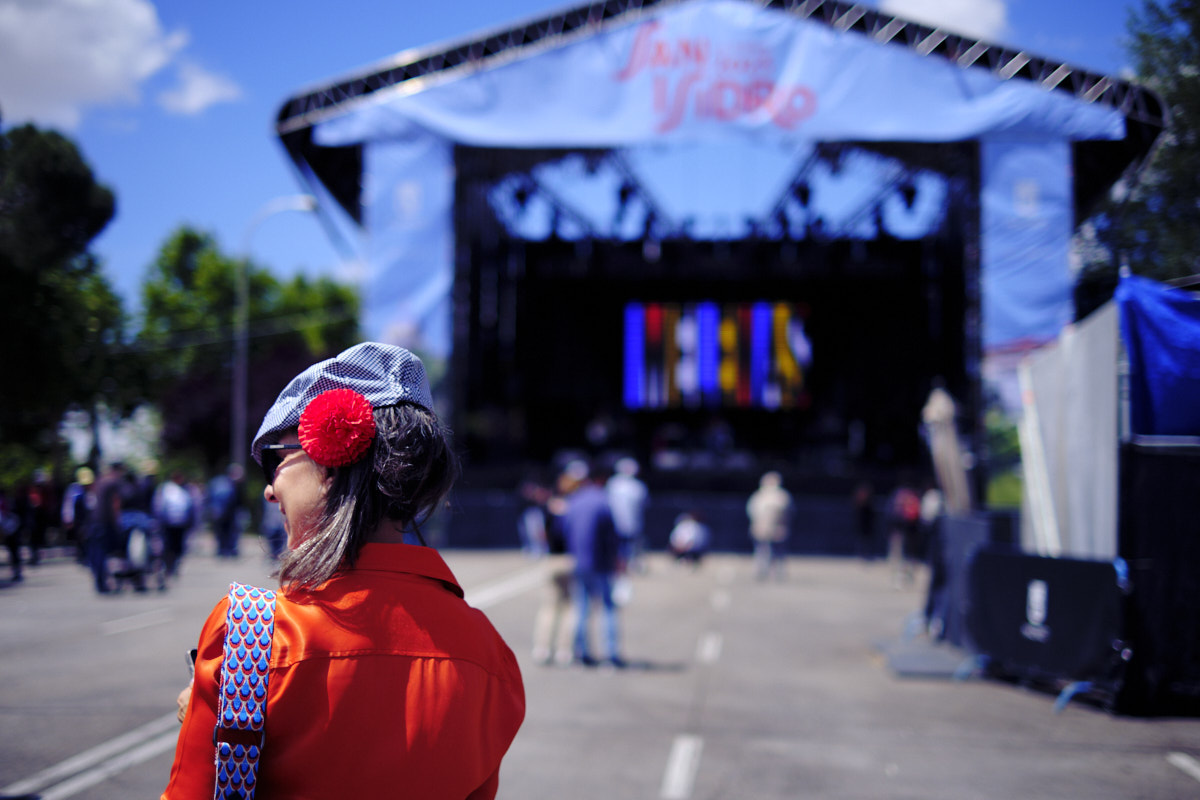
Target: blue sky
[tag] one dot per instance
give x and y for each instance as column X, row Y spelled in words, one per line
column 172, row 102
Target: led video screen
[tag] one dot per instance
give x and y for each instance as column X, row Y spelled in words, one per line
column 715, row 355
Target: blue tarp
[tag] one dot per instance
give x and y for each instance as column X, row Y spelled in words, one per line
column 1160, row 327
column 721, row 71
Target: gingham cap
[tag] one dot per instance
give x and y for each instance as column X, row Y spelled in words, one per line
column 384, row 374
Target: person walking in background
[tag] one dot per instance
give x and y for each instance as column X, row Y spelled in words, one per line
column 224, row 503
column 146, row 486
column 73, row 531
column 531, row 519
column 554, row 622
column 770, row 512
column 32, row 508
column 593, row 543
column 79, row 511
column 105, row 536
column 10, row 529
column 40, row 515
column 903, row 540
column 931, row 542
column 864, row 520
column 199, row 494
column 627, row 496
column 175, row 513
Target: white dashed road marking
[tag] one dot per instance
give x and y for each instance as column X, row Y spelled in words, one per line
column 113, row 756
column 1185, row 763
column 146, row 619
column 681, row 767
column 709, row 648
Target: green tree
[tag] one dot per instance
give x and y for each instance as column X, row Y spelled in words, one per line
column 188, row 303
column 63, row 326
column 1153, row 223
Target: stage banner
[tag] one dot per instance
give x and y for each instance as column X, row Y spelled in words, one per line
column 711, row 69
column 408, row 204
column 1160, row 326
column 1026, row 220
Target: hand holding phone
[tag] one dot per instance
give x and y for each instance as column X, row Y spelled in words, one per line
column 185, row 697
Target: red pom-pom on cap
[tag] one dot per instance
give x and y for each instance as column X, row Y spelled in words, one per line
column 337, row 427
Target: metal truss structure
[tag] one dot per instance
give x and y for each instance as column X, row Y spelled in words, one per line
column 413, row 70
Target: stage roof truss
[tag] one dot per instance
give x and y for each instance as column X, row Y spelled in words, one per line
column 658, row 224
column 894, row 174
column 529, row 183
column 796, row 186
column 412, row 69
column 895, row 177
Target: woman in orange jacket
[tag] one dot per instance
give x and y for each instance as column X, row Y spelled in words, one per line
column 380, row 680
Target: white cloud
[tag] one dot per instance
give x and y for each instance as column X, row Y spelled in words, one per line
column 197, row 90
column 59, row 58
column 981, row 19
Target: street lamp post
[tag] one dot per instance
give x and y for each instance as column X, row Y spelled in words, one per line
column 241, row 319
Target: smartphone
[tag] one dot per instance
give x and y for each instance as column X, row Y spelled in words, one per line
column 191, row 662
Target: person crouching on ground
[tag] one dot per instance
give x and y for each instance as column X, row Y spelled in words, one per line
column 381, row 679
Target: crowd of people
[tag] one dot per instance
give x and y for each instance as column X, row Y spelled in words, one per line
column 131, row 527
column 589, row 527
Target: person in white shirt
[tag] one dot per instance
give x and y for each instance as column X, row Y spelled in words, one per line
column 627, row 497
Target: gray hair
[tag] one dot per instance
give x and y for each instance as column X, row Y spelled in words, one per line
column 404, row 477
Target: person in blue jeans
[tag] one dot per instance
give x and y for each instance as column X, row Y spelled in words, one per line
column 593, row 543
column 224, row 503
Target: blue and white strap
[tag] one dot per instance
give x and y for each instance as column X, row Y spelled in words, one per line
column 242, row 700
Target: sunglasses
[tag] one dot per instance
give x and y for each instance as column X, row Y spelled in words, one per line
column 271, row 458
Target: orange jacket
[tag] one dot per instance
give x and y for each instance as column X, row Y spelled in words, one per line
column 383, row 683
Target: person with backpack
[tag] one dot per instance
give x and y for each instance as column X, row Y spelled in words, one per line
column 366, row 674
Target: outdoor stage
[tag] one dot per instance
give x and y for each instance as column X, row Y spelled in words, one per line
column 704, row 359
column 891, row 202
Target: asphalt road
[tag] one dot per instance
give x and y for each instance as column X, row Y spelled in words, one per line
column 736, row 689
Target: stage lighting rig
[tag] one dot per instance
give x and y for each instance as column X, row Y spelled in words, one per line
column 784, row 222
column 522, row 194
column 802, row 193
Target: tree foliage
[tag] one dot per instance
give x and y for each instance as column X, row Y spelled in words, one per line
column 1153, row 222
column 188, row 307
column 63, row 327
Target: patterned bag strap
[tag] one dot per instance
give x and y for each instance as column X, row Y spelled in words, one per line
column 242, row 701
